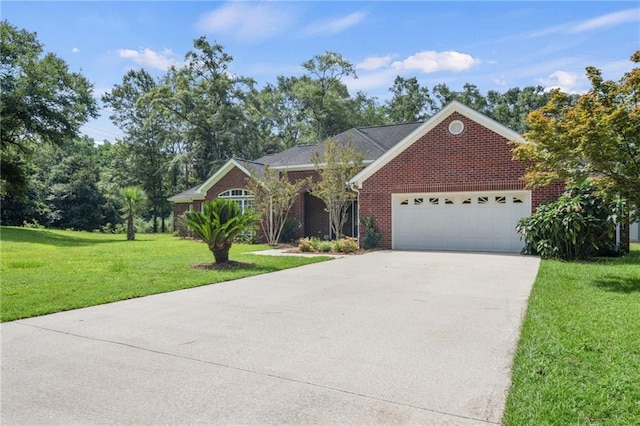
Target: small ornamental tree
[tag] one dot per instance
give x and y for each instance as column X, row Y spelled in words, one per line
column 218, row 224
column 339, row 163
column 578, row 225
column 596, row 136
column 133, row 198
column 274, row 195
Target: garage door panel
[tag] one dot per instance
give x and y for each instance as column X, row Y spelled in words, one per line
column 459, row 221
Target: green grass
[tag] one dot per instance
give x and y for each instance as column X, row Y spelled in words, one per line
column 45, row 271
column 578, row 359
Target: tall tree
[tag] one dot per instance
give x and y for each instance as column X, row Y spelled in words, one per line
column 72, row 196
column 410, row 102
column 596, row 137
column 207, row 102
column 325, row 96
column 512, row 107
column 336, row 165
column 40, row 102
column 146, row 132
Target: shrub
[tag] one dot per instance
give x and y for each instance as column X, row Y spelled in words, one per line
column 325, row 246
column 578, row 225
column 315, row 243
column 304, row 245
column 348, row 245
column 290, row 230
column 371, row 234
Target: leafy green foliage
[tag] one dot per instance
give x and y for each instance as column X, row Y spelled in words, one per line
column 578, row 225
column 371, row 234
column 595, row 136
column 40, row 101
column 219, row 223
column 411, row 102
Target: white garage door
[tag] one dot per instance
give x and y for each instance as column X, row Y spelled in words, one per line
column 478, row 221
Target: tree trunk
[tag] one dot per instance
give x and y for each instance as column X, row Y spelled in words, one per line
column 221, row 252
column 131, row 232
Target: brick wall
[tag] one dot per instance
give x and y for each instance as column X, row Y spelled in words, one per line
column 475, row 160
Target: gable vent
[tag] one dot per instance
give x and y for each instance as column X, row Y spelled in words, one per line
column 456, row 127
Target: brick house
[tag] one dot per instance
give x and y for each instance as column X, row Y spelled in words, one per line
column 449, row 183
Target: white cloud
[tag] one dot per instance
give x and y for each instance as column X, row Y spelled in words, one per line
column 75, row 50
column 565, row 81
column 247, row 21
column 149, row 57
column 336, row 25
column 608, row 20
column 431, row 61
column 380, row 79
column 374, row 62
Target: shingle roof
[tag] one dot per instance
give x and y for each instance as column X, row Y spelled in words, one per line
column 372, row 141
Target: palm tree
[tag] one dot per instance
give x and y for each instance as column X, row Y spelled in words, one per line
column 218, row 224
column 133, row 198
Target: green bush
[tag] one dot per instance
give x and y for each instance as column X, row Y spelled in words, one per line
column 325, row 246
column 578, row 225
column 371, row 234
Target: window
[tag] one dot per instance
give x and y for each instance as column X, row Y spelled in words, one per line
column 434, row 200
column 448, row 201
column 501, row 200
column 242, row 197
column 418, row 201
column 518, row 200
column 466, row 200
column 483, row 200
column 404, row 202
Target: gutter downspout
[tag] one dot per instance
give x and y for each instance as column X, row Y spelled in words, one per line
column 354, row 187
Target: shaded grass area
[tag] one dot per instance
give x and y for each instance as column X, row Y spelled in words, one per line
column 46, row 271
column 578, row 359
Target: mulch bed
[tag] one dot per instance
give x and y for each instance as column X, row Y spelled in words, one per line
column 226, row 266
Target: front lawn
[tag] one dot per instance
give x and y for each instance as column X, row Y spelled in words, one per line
column 45, row 271
column 578, row 359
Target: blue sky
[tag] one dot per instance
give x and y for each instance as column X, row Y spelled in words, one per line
column 494, row 45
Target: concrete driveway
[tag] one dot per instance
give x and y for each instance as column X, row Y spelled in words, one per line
column 382, row 338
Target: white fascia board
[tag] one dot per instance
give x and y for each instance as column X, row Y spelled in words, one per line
column 175, row 199
column 427, row 126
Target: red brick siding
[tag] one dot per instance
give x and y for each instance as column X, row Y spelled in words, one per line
column 475, row 160
column 234, row 179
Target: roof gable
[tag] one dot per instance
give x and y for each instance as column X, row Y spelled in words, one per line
column 426, row 127
column 199, row 192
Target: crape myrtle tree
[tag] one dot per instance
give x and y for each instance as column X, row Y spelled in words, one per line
column 274, row 195
column 336, row 165
column 595, row 137
column 41, row 101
